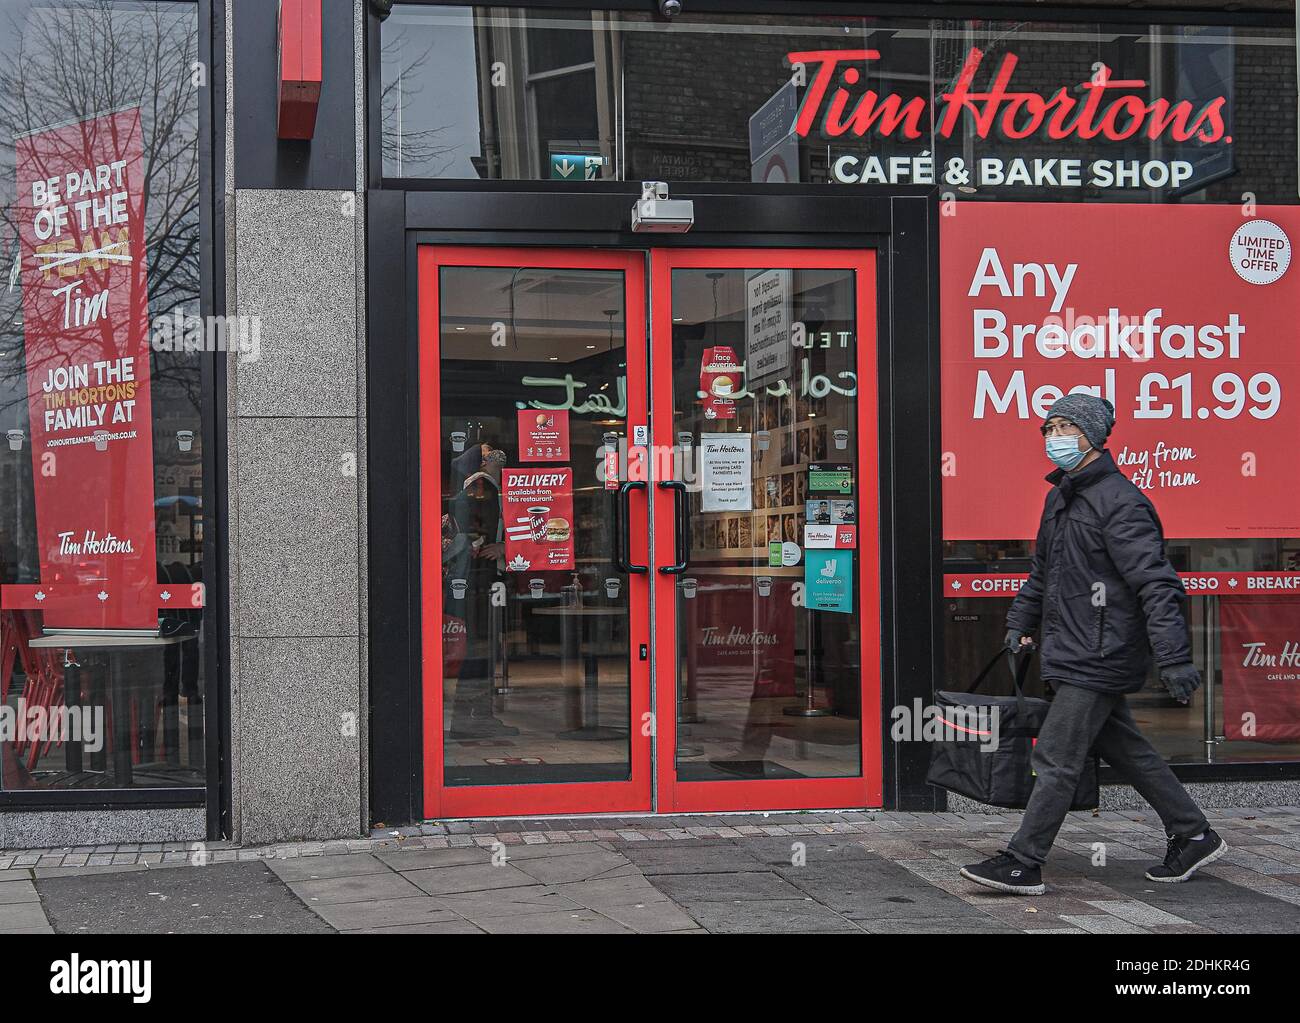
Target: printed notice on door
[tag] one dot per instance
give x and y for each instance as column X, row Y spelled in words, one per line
column 537, row 506
column 725, row 469
column 767, row 326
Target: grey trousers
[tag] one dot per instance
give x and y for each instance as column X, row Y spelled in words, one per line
column 1078, row 721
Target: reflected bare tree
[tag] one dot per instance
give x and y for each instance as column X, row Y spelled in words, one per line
column 90, row 57
column 403, row 85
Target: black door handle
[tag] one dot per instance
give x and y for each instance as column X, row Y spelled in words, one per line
column 623, row 530
column 681, row 527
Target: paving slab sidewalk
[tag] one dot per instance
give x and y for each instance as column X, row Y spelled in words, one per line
column 856, row 872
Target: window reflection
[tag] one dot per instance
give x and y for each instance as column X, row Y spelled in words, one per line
column 108, row 640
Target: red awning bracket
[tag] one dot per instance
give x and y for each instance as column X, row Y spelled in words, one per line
column 300, row 54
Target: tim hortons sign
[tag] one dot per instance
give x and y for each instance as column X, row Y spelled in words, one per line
column 1104, row 109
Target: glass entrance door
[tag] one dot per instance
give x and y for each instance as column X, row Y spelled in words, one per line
column 551, row 434
column 764, row 371
column 535, row 585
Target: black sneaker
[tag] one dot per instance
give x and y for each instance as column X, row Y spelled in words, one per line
column 1007, row 874
column 1184, row 857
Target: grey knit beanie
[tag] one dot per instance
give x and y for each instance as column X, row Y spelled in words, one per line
column 1094, row 416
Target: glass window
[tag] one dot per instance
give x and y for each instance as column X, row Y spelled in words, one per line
column 713, row 97
column 1024, row 110
column 536, row 652
column 102, row 519
column 769, row 683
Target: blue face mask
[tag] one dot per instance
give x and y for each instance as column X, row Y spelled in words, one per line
column 1064, row 451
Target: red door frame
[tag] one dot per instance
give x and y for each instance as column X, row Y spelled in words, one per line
column 812, row 793
column 634, row 795
column 628, row 796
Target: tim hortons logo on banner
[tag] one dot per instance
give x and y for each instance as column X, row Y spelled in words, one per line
column 1109, row 108
column 713, row 636
column 1258, row 655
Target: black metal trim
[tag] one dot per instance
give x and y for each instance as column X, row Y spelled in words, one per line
column 42, row 800
column 214, row 795
column 857, row 221
column 372, row 89
column 392, row 491
column 912, row 488
column 1272, row 770
column 1122, row 13
column 216, row 552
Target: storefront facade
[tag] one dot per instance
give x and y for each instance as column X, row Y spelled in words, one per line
column 526, row 504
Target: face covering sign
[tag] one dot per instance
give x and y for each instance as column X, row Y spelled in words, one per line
column 1182, row 317
column 80, row 210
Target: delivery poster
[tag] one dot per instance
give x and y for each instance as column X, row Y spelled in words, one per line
column 1183, row 317
column 537, row 507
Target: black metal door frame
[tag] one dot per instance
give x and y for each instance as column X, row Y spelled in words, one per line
column 901, row 226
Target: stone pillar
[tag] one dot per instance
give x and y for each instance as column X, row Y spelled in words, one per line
column 296, row 504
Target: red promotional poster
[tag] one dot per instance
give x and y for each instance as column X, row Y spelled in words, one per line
column 80, row 211
column 544, row 435
column 720, row 382
column 743, row 634
column 1183, row 317
column 537, row 506
column 1260, row 640
column 454, row 643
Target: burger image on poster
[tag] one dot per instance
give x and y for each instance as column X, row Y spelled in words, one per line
column 1260, row 252
column 557, row 530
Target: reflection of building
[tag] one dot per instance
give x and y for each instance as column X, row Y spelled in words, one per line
column 675, row 106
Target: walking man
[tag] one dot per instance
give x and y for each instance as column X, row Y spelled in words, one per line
column 1104, row 597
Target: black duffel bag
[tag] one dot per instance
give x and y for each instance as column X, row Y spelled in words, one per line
column 961, row 761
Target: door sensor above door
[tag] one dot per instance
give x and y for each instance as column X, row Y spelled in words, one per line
column 656, row 213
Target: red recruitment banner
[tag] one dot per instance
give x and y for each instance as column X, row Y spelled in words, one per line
column 1261, row 668
column 80, row 210
column 1182, row 317
column 1197, row 584
column 537, row 508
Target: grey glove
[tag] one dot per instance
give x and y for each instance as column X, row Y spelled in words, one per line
column 1181, row 680
column 1013, row 638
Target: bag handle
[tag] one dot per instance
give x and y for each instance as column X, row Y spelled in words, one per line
column 1018, row 672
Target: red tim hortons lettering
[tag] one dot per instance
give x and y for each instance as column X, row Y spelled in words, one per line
column 887, row 113
column 1012, row 114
